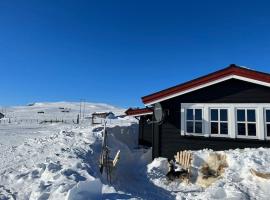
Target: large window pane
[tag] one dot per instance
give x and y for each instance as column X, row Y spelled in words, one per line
column 223, row 115
column 252, row 129
column 214, row 115
column 224, row 128
column 241, row 128
column 198, row 127
column 190, row 127
column 251, row 116
column 214, row 128
column 267, row 115
column 268, row 130
column 189, row 114
column 198, row 114
column 241, row 115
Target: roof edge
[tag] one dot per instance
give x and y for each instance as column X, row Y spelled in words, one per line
column 139, row 111
column 230, row 70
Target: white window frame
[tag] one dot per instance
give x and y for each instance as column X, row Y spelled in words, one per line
column 194, row 121
column 265, row 123
column 219, row 122
column 247, row 122
column 232, row 118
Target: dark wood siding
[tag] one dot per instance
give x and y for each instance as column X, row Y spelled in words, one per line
column 145, row 131
column 170, row 147
column 231, row 91
column 156, row 141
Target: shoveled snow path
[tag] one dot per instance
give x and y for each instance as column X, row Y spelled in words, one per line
column 130, row 175
column 133, row 180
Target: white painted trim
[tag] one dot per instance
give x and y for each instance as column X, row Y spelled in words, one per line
column 194, row 121
column 260, row 123
column 219, row 121
column 257, row 118
column 182, row 121
column 206, row 122
column 148, row 113
column 232, row 121
column 209, row 84
column 265, row 123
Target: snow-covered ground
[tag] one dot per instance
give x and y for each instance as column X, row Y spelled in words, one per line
column 236, row 183
column 61, row 161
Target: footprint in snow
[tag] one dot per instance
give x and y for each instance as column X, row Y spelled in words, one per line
column 44, row 196
column 22, row 176
column 71, row 174
column 35, row 174
column 54, row 167
column 45, row 187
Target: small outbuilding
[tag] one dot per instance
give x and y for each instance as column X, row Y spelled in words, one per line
column 227, row 109
column 145, row 117
column 98, row 117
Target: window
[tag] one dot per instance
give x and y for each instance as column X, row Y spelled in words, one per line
column 267, row 122
column 194, row 121
column 228, row 120
column 219, row 121
column 246, row 122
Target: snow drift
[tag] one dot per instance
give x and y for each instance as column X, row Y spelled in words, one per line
column 236, row 183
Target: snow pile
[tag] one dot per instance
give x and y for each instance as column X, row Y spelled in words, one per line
column 91, row 190
column 237, row 182
column 48, row 167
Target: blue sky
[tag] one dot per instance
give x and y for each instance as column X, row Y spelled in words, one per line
column 117, row 51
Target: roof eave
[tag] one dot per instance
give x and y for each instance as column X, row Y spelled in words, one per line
column 232, row 71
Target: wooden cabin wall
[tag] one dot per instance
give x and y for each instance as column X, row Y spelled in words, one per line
column 145, row 131
column 231, row 91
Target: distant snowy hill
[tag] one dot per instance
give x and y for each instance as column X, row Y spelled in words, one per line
column 25, row 121
column 61, row 110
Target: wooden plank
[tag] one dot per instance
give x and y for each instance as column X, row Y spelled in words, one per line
column 116, row 158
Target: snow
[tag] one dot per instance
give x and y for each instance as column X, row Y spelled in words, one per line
column 90, row 190
column 237, row 182
column 61, row 160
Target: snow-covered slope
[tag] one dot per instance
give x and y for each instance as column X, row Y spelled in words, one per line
column 54, row 110
column 26, row 122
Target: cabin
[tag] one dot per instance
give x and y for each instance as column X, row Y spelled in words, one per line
column 227, row 109
column 98, row 117
column 145, row 117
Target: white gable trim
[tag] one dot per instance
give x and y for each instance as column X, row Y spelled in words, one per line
column 209, row 84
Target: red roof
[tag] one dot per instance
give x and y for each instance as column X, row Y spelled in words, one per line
column 139, row 111
column 230, row 70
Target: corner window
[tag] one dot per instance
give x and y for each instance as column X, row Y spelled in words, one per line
column 267, row 122
column 246, row 122
column 194, row 122
column 219, row 121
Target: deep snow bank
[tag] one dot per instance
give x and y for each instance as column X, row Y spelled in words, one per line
column 48, row 167
column 237, row 182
